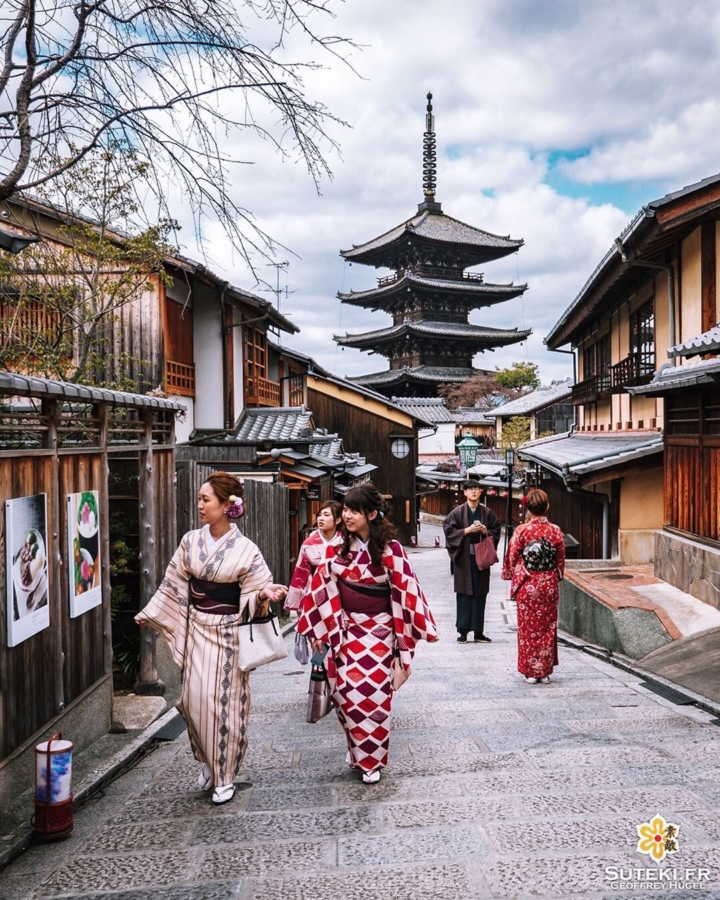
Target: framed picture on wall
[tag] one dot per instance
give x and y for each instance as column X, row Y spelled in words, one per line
column 83, row 532
column 26, row 567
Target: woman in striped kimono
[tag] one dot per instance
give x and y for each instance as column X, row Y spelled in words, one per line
column 216, row 577
column 366, row 605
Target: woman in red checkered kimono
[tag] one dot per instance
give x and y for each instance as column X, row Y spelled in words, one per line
column 366, row 605
column 535, row 563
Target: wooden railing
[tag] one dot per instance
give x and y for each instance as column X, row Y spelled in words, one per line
column 433, row 272
column 179, row 378
column 591, row 388
column 261, row 392
column 636, row 368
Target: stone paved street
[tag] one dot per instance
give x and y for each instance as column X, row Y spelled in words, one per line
column 495, row 788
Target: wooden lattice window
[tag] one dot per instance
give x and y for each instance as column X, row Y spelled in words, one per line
column 642, row 339
column 34, row 325
column 179, row 356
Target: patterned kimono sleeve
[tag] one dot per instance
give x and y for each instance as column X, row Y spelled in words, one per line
column 513, row 555
column 412, row 618
column 560, row 547
column 167, row 610
column 253, row 579
column 300, row 580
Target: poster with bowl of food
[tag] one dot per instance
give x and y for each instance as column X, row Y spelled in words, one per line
column 26, row 565
column 83, row 520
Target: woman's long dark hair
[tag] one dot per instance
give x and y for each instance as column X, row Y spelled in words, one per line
column 367, row 499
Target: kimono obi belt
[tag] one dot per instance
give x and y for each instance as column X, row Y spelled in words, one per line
column 219, row 598
column 370, row 599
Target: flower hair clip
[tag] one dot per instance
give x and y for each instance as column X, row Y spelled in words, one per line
column 523, row 500
column 236, row 508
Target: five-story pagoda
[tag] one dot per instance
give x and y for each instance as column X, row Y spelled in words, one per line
column 430, row 295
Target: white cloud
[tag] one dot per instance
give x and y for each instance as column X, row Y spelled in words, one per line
column 627, row 88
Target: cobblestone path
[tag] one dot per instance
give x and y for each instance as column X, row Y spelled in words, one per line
column 495, row 789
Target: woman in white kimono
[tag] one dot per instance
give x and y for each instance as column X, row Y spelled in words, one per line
column 216, row 577
column 365, row 604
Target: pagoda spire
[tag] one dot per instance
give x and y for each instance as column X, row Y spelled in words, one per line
column 429, row 162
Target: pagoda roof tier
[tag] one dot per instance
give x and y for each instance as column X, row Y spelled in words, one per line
column 471, row 290
column 455, row 331
column 428, row 229
column 417, row 379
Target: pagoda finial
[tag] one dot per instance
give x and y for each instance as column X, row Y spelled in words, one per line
column 429, row 163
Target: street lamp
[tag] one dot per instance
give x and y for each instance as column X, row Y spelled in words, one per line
column 509, row 462
column 12, row 242
column 467, row 451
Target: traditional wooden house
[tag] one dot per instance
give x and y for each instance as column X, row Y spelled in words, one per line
column 430, row 295
column 548, row 410
column 656, row 288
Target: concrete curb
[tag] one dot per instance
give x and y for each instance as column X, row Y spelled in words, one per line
column 24, row 836
column 631, row 666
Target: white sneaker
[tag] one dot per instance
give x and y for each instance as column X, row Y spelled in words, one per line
column 205, row 778
column 531, row 680
column 371, row 777
column 223, row 794
column 545, row 680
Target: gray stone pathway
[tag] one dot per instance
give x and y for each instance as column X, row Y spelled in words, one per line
column 495, row 789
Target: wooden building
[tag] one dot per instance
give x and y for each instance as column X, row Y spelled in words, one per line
column 655, row 289
column 548, row 410
column 57, row 441
column 430, row 295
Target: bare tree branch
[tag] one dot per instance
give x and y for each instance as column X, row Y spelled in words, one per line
column 173, row 79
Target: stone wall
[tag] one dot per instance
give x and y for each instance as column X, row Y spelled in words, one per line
column 690, row 566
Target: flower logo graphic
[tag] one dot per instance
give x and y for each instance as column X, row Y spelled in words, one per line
column 658, row 838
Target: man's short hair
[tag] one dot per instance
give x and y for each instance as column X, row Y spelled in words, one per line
column 471, row 483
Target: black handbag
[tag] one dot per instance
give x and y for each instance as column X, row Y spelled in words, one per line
column 318, row 702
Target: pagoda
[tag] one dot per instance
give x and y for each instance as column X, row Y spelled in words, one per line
column 430, row 295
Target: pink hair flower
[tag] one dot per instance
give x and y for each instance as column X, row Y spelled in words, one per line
column 236, row 508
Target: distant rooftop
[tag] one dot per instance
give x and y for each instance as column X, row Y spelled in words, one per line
column 538, row 399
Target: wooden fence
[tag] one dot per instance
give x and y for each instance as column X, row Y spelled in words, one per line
column 267, row 512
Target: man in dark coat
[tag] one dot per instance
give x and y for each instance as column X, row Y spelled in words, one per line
column 464, row 527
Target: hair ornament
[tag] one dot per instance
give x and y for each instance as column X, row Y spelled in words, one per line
column 236, row 508
column 523, row 500
column 381, row 514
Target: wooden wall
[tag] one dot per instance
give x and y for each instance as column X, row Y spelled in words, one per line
column 692, row 463
column 364, row 432
column 580, row 515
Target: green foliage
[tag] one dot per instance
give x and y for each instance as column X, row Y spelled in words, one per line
column 515, row 432
column 519, row 377
column 64, row 296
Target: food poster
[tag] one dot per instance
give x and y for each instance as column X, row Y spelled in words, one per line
column 84, row 551
column 26, row 567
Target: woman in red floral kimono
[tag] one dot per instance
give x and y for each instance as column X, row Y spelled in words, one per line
column 365, row 604
column 535, row 563
column 314, row 551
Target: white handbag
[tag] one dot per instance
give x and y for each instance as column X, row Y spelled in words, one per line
column 260, row 642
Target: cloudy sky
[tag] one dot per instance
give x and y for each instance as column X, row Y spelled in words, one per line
column 555, row 119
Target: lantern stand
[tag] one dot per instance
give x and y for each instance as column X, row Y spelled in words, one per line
column 509, row 462
column 53, row 798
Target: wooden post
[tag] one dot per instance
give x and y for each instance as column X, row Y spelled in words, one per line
column 103, row 429
column 149, row 682
column 50, row 411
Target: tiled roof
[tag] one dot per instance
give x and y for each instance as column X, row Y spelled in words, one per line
column 424, row 328
column 29, row 386
column 330, row 448
column 277, row 425
column 431, row 409
column 572, row 455
column 707, row 342
column 437, row 227
column 671, row 378
column 416, row 373
column 471, row 415
column 537, row 399
column 493, row 292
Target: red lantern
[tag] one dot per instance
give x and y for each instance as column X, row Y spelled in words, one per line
column 492, row 492
column 504, row 493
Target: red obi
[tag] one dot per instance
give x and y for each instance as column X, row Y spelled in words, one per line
column 370, row 599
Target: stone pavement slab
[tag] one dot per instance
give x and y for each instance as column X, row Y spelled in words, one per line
column 495, row 789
